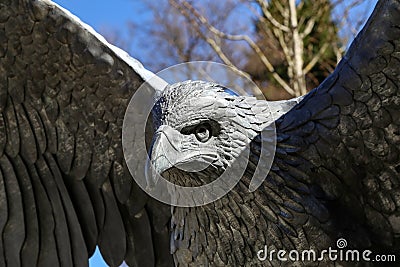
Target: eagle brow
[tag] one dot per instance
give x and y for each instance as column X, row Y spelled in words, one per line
column 190, row 126
column 188, row 129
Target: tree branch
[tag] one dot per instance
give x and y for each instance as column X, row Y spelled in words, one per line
column 264, row 7
column 232, row 37
column 315, row 59
column 308, row 28
column 210, row 41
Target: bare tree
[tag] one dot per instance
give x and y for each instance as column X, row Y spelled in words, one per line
column 290, row 29
column 168, row 38
column 183, row 30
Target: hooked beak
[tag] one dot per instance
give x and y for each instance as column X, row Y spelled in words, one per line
column 172, row 149
column 165, row 150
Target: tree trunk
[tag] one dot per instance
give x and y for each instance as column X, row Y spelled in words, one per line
column 299, row 81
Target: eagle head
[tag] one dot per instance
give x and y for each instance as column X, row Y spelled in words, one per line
column 201, row 129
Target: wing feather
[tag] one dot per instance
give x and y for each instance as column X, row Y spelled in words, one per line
column 112, row 239
column 13, row 141
column 353, row 146
column 61, row 230
column 64, row 183
column 85, row 212
column 14, row 229
column 75, row 233
column 30, row 248
column 3, row 214
column 48, row 255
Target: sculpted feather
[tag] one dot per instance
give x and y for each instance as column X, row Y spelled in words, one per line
column 65, row 187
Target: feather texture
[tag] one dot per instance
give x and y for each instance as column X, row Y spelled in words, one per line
column 65, row 187
column 63, row 183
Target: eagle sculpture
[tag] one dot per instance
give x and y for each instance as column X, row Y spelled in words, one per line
column 65, row 187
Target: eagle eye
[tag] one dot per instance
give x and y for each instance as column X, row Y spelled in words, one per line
column 203, row 132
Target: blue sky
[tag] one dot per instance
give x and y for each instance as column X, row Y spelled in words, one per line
column 114, row 13
column 113, row 16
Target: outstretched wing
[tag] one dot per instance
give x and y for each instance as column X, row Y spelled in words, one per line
column 64, row 186
column 340, row 145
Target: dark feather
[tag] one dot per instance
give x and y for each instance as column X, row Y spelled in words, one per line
column 30, row 248
column 61, row 228
column 112, row 240
column 64, row 186
column 14, row 230
column 63, row 94
column 13, row 141
column 77, row 242
column 85, row 212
